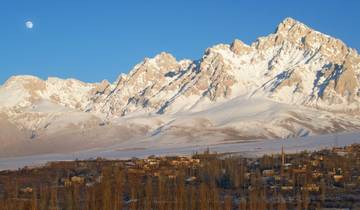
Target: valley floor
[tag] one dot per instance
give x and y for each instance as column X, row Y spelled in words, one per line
column 147, row 147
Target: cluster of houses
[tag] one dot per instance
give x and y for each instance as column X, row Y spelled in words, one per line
column 287, row 173
column 164, row 166
column 151, row 166
column 313, row 171
column 285, row 177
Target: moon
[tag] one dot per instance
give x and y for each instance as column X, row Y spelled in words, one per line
column 29, row 24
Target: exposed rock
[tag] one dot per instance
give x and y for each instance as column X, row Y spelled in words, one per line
column 101, row 88
column 239, row 48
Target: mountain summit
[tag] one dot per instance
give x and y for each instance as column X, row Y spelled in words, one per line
column 293, row 82
column 294, row 65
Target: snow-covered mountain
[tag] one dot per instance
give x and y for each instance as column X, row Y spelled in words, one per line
column 293, row 82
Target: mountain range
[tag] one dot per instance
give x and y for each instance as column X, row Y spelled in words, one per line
column 294, row 82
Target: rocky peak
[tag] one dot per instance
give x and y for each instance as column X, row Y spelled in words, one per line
column 25, row 84
column 288, row 24
column 22, row 79
column 165, row 56
column 158, row 64
column 296, row 33
column 101, row 88
column 293, row 35
column 165, row 60
column 238, row 47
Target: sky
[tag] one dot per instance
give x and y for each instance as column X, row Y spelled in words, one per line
column 92, row 40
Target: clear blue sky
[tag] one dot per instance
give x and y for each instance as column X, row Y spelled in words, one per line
column 93, row 40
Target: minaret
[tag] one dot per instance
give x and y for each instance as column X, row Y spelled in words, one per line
column 282, row 155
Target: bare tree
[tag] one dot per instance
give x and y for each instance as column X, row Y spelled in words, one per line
column 227, row 202
column 161, row 193
column 148, row 193
column 34, row 201
column 281, row 203
column 118, row 189
column 242, row 204
column 204, row 199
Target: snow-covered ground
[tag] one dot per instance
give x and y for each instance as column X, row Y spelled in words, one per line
column 248, row 148
column 243, row 125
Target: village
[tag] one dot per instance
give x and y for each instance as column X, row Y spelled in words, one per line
column 326, row 179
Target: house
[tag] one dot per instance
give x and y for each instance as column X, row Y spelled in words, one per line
column 277, row 178
column 99, row 179
column 130, row 164
column 153, row 162
column 311, row 188
column 90, row 184
column 268, row 172
column 195, row 160
column 338, row 178
column 287, row 188
column 317, row 174
column 67, row 182
column 274, row 187
column 287, row 166
column 191, row 179
column 77, row 180
column 172, row 176
column 175, row 162
column 315, row 163
column 299, row 170
column 26, row 190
